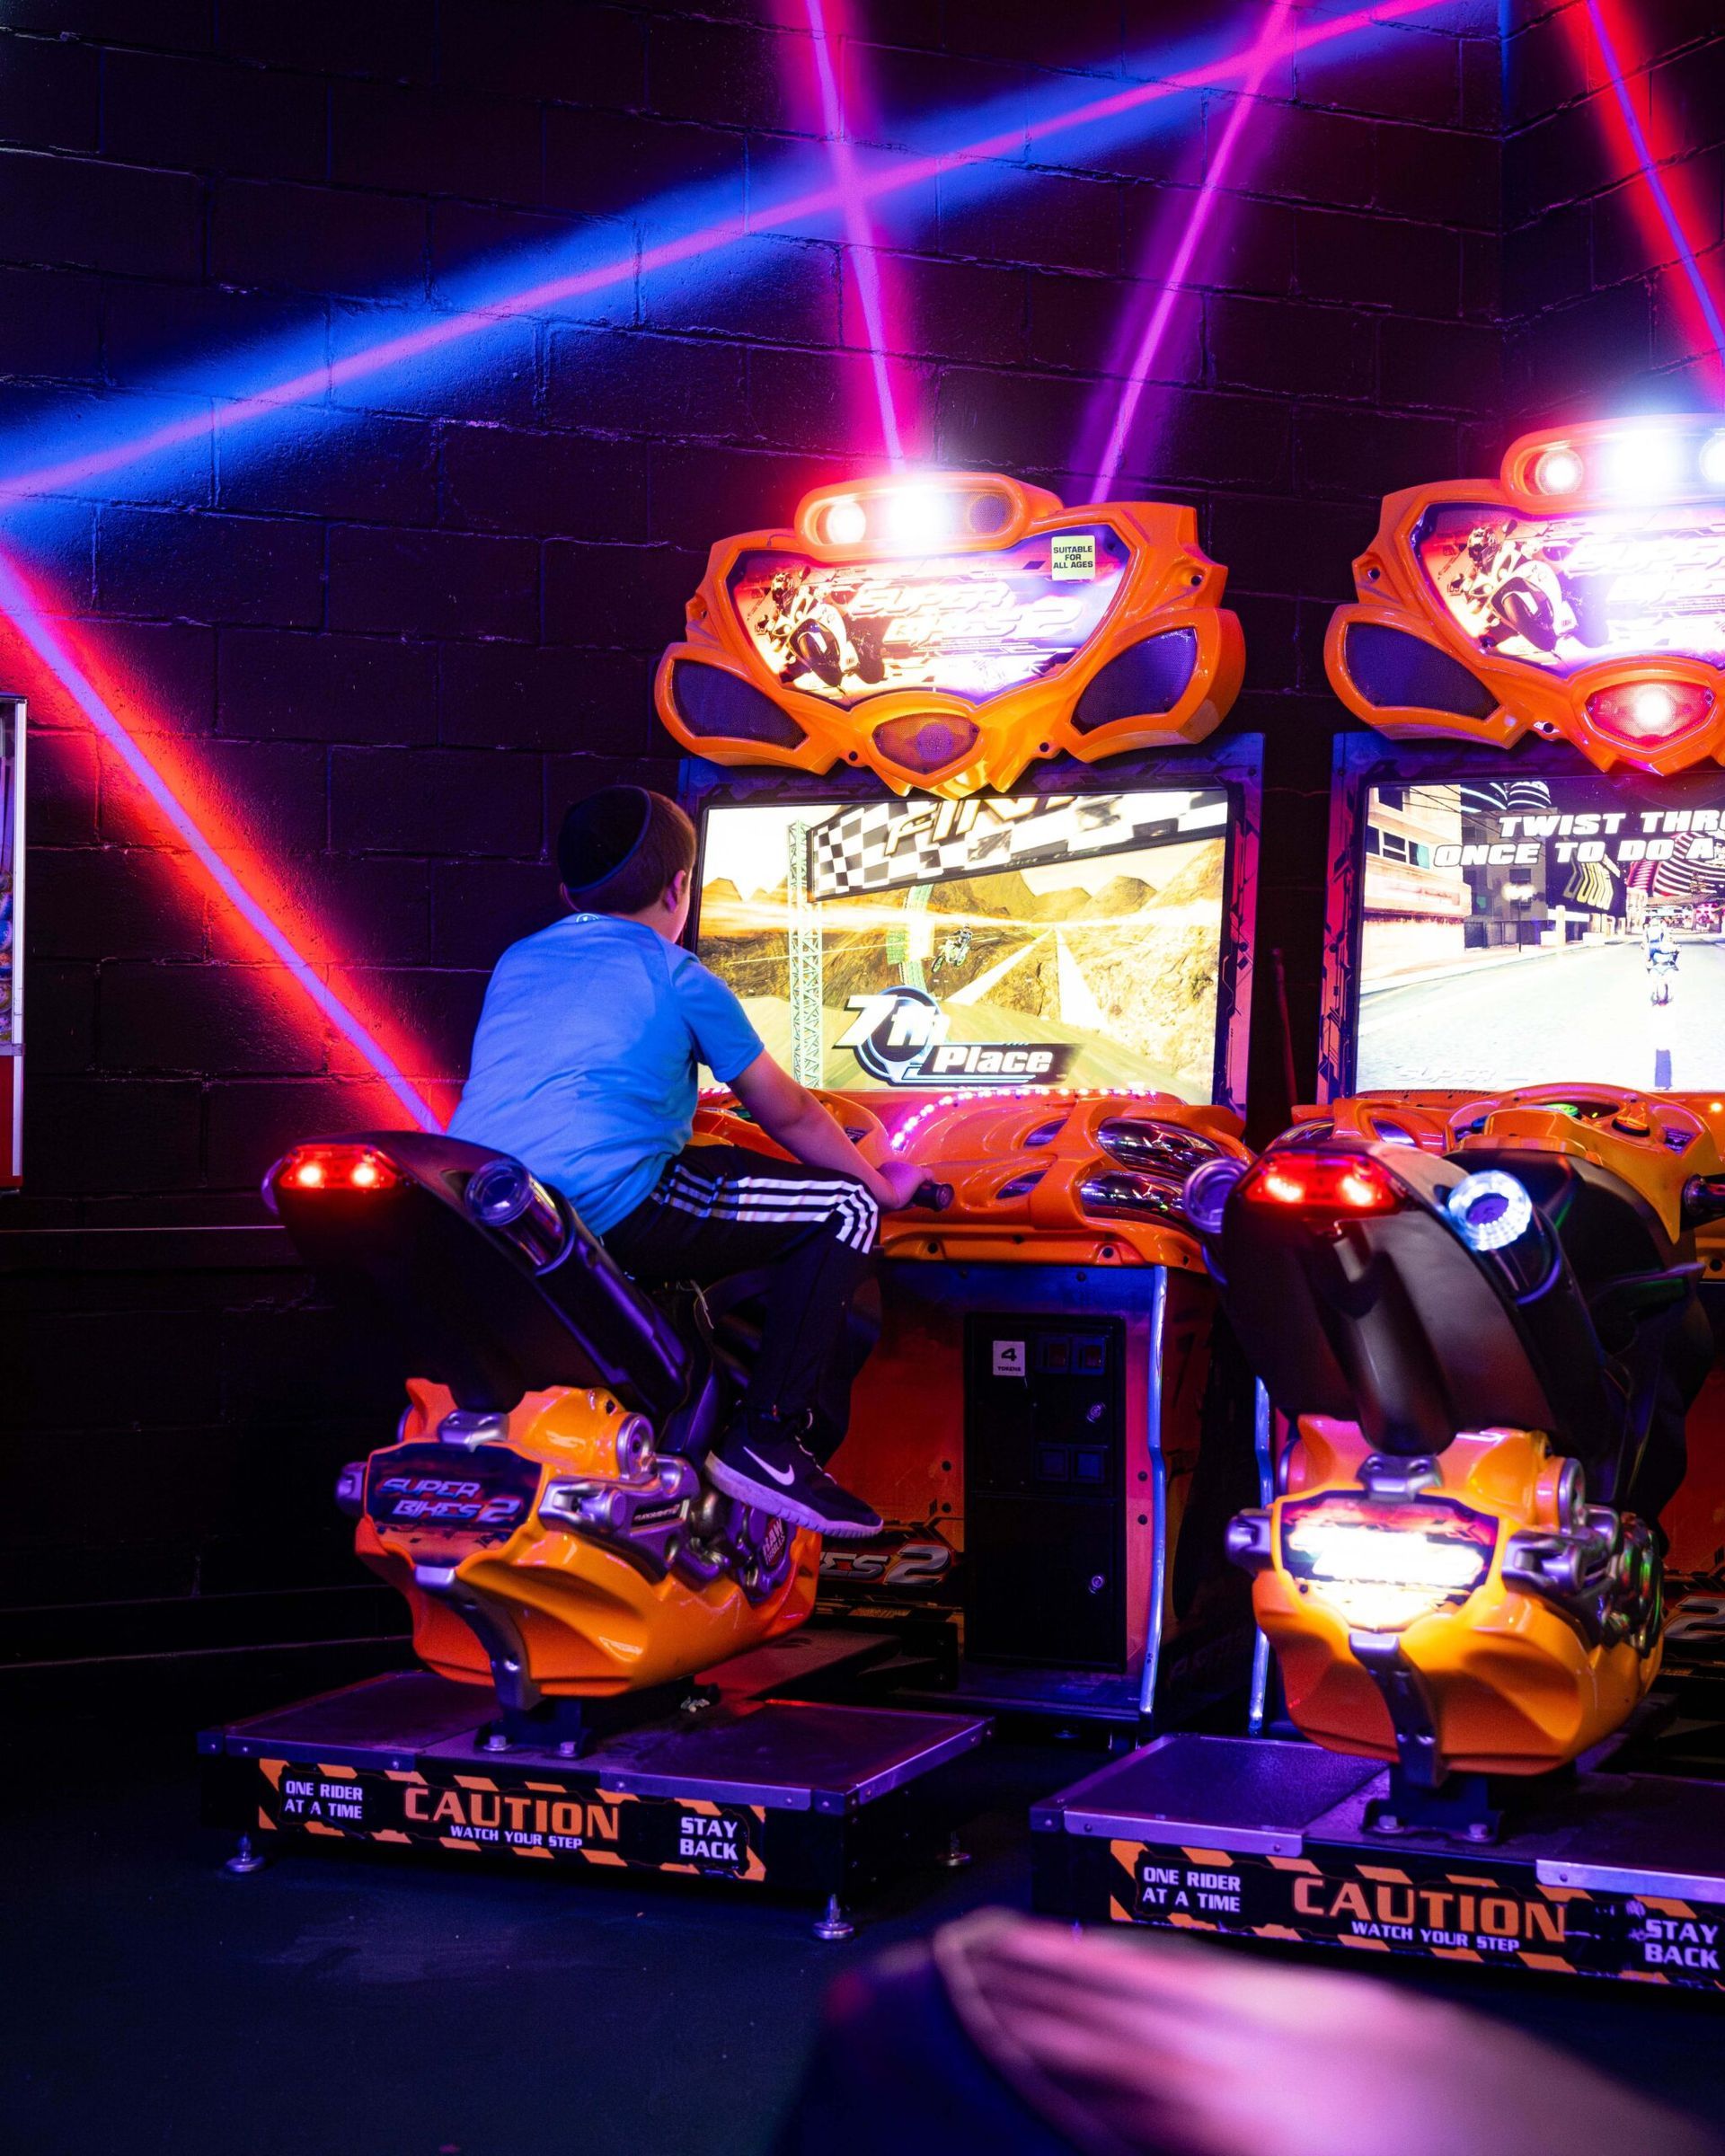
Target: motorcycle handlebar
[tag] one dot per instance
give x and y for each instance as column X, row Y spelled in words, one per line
column 935, row 1198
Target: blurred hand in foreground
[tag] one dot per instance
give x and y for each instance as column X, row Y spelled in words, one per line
column 1131, row 2046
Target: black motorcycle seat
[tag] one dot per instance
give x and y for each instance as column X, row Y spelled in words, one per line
column 1393, row 1322
column 461, row 1306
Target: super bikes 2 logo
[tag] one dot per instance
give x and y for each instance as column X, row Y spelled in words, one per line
column 438, row 1500
column 418, row 1489
column 899, row 1037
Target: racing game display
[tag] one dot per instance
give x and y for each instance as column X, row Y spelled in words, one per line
column 1568, row 591
column 1524, row 932
column 1054, row 939
column 968, row 624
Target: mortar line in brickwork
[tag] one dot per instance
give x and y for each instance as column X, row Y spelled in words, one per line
column 1666, row 216
column 549, row 293
column 865, row 262
column 21, row 606
column 1264, row 54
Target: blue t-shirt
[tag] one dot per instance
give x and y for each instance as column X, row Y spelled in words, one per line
column 584, row 1063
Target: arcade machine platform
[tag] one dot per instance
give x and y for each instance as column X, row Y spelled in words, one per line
column 796, row 1795
column 1610, row 1875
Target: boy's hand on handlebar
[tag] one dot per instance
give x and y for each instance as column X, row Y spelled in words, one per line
column 897, row 1182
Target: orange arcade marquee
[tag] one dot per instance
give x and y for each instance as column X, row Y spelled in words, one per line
column 946, row 631
column 1579, row 597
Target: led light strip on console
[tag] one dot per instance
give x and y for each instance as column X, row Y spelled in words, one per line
column 1017, row 1092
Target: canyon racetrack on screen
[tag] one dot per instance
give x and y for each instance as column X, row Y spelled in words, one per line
column 1047, row 939
column 1526, row 931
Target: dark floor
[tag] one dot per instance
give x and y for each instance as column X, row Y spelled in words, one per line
column 325, row 2004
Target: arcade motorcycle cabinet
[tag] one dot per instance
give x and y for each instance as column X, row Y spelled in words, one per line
column 613, row 1677
column 925, row 694
column 1566, row 621
column 616, row 1678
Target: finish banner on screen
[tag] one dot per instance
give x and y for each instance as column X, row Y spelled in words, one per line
column 885, row 844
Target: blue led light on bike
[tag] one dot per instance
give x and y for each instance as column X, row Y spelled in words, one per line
column 1490, row 1209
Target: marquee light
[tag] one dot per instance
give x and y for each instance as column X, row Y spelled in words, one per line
column 1578, row 596
column 975, row 625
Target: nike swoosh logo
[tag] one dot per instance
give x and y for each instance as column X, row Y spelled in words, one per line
column 783, row 1480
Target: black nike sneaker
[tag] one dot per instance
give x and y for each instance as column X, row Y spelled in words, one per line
column 763, row 1462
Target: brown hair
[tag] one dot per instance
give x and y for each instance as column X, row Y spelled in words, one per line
column 621, row 847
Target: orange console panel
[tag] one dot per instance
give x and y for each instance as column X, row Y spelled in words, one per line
column 1039, row 1176
column 945, row 630
column 1656, row 1141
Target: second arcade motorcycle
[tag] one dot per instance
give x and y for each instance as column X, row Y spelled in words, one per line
column 1485, row 1335
column 544, row 1509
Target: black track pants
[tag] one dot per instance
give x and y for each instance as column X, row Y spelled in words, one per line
column 721, row 1209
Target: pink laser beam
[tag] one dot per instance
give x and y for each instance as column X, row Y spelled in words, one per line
column 17, row 602
column 21, row 606
column 865, row 265
column 1664, row 207
column 690, row 246
column 1267, row 49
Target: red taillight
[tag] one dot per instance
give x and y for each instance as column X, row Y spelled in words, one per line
column 1650, row 710
column 1326, row 1182
column 335, row 1168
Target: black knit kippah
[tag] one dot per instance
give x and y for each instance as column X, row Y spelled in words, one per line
column 601, row 836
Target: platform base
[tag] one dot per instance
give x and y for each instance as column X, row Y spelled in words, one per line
column 810, row 1798
column 1613, row 1875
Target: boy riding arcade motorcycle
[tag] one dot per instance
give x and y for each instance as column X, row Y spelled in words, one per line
column 1488, row 1352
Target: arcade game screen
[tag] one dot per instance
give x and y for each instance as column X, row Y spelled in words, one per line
column 1053, row 940
column 1526, row 931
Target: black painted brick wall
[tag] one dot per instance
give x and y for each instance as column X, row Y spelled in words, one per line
column 397, row 640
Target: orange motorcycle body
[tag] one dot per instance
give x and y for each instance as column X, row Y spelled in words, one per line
column 592, row 1622
column 1513, row 1685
